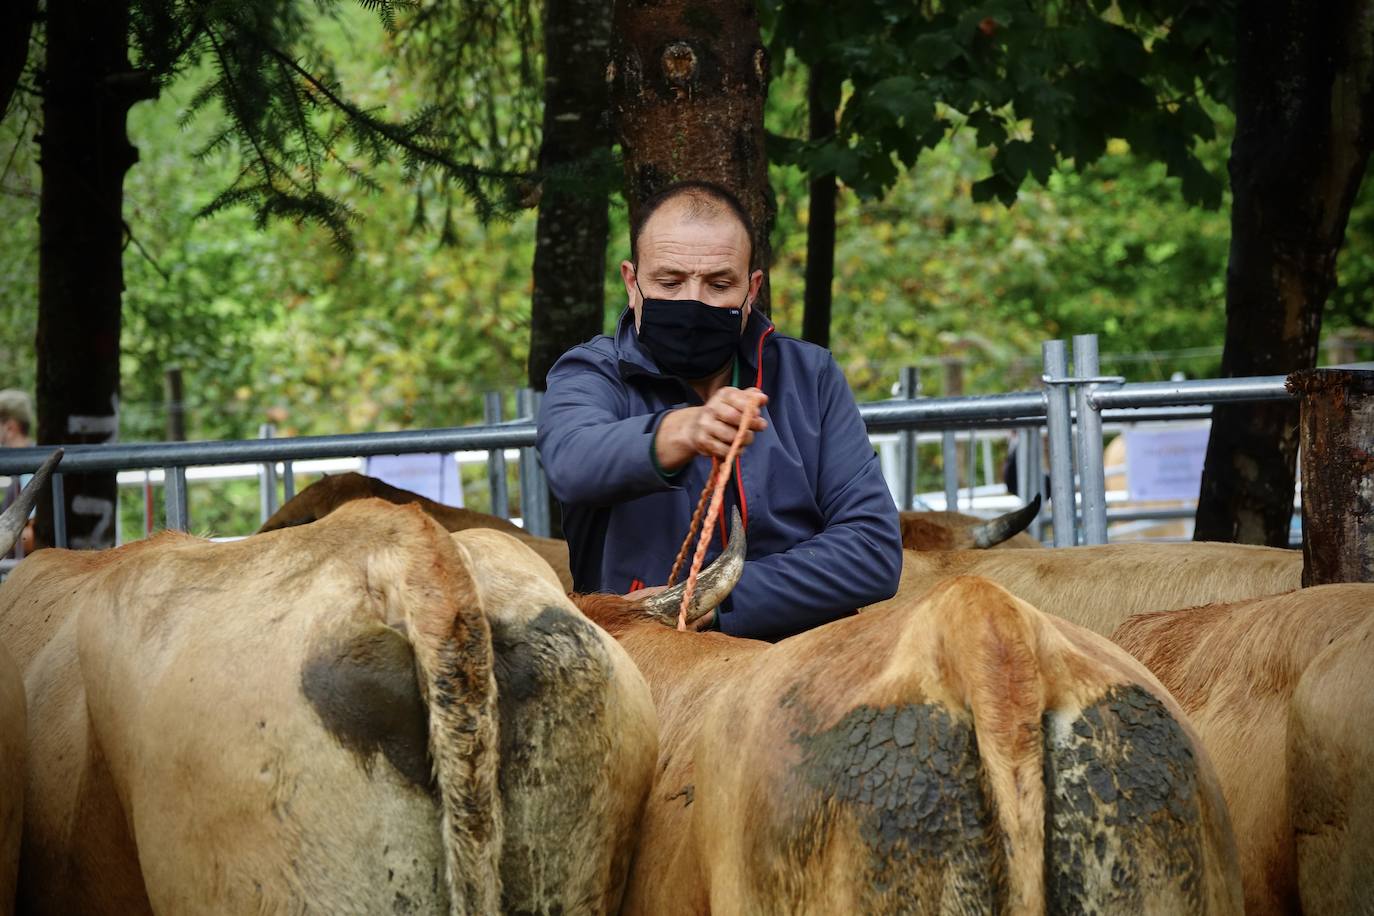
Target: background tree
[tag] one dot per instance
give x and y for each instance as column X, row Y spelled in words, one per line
column 1304, row 134
column 281, row 108
column 575, row 183
column 688, row 83
column 1038, row 84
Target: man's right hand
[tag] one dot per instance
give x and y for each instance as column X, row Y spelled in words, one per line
column 708, row 429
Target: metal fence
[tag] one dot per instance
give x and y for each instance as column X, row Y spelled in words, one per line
column 1069, row 413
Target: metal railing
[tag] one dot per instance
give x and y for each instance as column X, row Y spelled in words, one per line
column 1069, row 412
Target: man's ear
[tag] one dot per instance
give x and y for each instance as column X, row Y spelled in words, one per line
column 627, row 276
column 755, row 284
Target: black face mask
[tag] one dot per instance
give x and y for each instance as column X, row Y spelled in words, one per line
column 688, row 338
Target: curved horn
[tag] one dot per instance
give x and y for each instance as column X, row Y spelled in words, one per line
column 1003, row 527
column 17, row 515
column 713, row 584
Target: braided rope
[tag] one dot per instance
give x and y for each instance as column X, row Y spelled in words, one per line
column 695, row 526
column 717, row 500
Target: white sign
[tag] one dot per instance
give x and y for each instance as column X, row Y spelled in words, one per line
column 1165, row 463
column 433, row 475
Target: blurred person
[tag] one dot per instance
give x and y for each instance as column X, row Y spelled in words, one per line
column 16, row 424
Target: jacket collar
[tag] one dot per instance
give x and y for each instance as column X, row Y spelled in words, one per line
column 634, row 360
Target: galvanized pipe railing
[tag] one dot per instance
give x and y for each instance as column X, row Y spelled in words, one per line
column 1029, row 411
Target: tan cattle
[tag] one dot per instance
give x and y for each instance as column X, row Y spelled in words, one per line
column 12, row 737
column 363, row 715
column 956, row 531
column 13, row 718
column 958, row 751
column 329, row 493
column 1281, row 690
column 1098, row 587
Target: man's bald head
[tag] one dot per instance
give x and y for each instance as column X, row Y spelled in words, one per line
column 692, row 201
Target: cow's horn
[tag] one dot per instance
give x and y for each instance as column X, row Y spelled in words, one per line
column 713, row 584
column 17, row 515
column 993, row 532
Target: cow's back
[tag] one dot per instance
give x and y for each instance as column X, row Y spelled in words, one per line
column 961, row 753
column 1099, row 586
column 1274, row 686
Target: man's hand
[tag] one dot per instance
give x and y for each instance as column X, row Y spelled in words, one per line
column 707, row 430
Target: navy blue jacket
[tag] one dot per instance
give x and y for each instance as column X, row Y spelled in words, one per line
column 821, row 525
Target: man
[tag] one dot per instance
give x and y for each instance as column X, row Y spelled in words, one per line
column 16, row 419
column 630, row 422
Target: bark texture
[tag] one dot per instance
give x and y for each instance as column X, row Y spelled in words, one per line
column 88, row 88
column 1337, row 474
column 570, row 245
column 822, row 100
column 1304, row 132
column 688, row 81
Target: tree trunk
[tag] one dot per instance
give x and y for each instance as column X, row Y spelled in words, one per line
column 1337, row 474
column 14, row 48
column 688, row 82
column 570, row 245
column 1304, row 132
column 822, row 100
column 88, row 88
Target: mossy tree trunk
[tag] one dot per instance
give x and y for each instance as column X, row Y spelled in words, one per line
column 1304, row 133
column 570, row 247
column 88, row 87
column 688, row 81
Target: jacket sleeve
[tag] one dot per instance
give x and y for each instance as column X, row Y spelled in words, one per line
column 593, row 452
column 854, row 561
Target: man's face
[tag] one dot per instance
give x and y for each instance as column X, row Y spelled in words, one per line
column 11, row 435
column 703, row 259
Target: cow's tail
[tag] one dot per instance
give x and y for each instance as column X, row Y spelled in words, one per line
column 987, row 652
column 1099, row 794
column 453, row 655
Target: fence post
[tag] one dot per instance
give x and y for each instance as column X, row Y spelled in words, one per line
column 534, row 491
column 1336, row 429
column 1035, row 478
column 267, row 477
column 288, row 481
column 496, row 458
column 972, row 467
column 147, row 503
column 1061, row 442
column 59, row 511
column 1091, row 474
column 949, row 458
column 174, row 483
column 909, row 387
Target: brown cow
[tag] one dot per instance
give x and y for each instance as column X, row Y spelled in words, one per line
column 13, row 726
column 1281, row 690
column 920, row 530
column 13, row 718
column 956, row 531
column 329, row 493
column 1098, row 587
column 363, row 715
column 954, row 752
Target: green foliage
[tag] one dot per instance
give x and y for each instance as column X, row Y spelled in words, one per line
column 1038, row 83
column 278, row 101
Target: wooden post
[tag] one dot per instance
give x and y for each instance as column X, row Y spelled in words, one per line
column 1337, row 430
